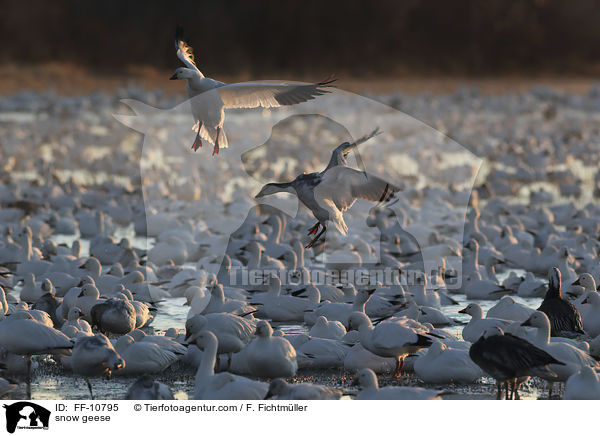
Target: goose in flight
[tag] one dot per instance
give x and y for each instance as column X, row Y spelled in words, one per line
column 209, row 110
column 329, row 193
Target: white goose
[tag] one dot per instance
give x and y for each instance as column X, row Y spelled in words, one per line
column 441, row 364
column 327, row 329
column 583, row 385
column 477, row 324
column 390, row 338
column 370, row 390
column 222, row 386
column 282, row 308
column 233, row 332
column 507, row 308
column 213, row 97
column 143, row 357
column 270, row 356
column 573, row 358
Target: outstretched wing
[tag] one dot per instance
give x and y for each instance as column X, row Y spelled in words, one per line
column 344, row 185
column 184, row 51
column 254, row 94
column 338, row 156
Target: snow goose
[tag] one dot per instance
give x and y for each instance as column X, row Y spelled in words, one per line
column 213, row 97
column 146, row 388
column 279, row 389
column 233, row 332
column 591, row 317
column 531, row 287
column 21, row 334
column 583, row 385
column 113, row 315
column 564, row 317
column 222, row 386
column 94, row 356
column 143, row 357
column 584, row 283
column 282, row 308
column 507, row 308
column 321, row 353
column 423, row 296
column 358, row 358
column 327, row 329
column 506, row 357
column 477, row 324
column 75, row 324
column 218, row 303
column 31, row 291
column 441, row 364
column 166, row 342
column 389, row 338
column 329, row 193
column 370, row 390
column 476, row 288
column 270, row 356
column 571, row 358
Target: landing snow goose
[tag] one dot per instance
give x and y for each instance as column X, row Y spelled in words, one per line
column 222, row 386
column 389, row 338
column 279, row 389
column 270, row 356
column 506, row 357
column 564, row 317
column 213, row 97
column 370, row 390
column 335, row 189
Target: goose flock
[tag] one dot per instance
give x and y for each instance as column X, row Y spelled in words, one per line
column 112, row 273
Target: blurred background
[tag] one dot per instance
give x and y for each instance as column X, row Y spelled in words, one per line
column 75, row 45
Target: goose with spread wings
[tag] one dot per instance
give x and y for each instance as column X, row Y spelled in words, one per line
column 214, row 96
column 335, row 189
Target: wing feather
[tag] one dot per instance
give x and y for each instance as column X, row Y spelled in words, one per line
column 255, row 94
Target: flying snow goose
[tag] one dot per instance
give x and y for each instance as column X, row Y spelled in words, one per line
column 213, row 97
column 329, row 193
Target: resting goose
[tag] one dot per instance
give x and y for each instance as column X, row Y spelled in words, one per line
column 564, row 317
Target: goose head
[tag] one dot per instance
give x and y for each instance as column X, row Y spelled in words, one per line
column 366, row 379
column 264, row 329
column 537, row 319
column 183, row 73
column 586, row 280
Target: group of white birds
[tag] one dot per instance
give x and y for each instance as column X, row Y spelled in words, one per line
column 73, row 286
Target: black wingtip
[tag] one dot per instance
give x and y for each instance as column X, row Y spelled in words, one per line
column 328, row 82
